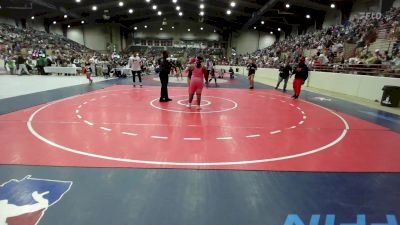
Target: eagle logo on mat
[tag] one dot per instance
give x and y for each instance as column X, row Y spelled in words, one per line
column 24, row 202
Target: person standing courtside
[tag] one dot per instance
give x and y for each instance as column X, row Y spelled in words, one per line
column 251, row 67
column 301, row 75
column 135, row 63
column 165, row 68
column 284, row 72
column 21, row 65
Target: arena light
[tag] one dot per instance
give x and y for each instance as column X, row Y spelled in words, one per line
column 333, row 6
column 287, row 5
column 161, row 28
column 135, row 28
column 159, row 13
column 255, row 28
column 262, row 22
column 308, row 16
column 279, row 29
column 189, row 30
column 121, row 4
column 215, row 31
column 271, row 32
column 201, row 13
column 233, row 4
column 130, row 11
column 148, row 1
column 32, row 18
column 94, row 8
column 180, row 14
column 69, row 26
column 174, row 1
column 77, row 1
column 54, row 22
column 173, row 27
column 82, row 22
column 65, row 16
column 145, row 26
column 178, row 8
column 201, row 6
column 154, row 7
column 229, row 12
column 201, row 28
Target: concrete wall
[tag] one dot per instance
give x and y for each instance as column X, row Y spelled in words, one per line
column 332, row 17
column 364, row 6
column 250, row 41
column 6, row 20
column 367, row 87
column 96, row 37
column 179, row 32
column 56, row 29
column 396, row 3
column 75, row 34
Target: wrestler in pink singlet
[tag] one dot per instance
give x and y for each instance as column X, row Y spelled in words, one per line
column 197, row 81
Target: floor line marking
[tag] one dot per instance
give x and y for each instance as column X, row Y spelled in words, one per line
column 283, row 101
column 192, row 139
column 275, row 132
column 302, row 112
column 292, row 105
column 105, row 128
column 298, row 108
column 80, row 106
column 304, row 117
column 130, row 134
column 158, row 137
column 85, row 103
column 301, row 122
column 93, row 99
column 224, row 138
column 88, row 122
column 79, row 116
column 253, row 136
column 291, row 127
column 77, row 111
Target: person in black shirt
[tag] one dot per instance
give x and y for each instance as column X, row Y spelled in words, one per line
column 251, row 67
column 231, row 73
column 284, row 72
column 165, row 68
column 301, row 75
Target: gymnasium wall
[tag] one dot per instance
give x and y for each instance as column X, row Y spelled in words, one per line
column 332, row 17
column 367, row 87
column 6, row 20
column 56, row 29
column 396, row 3
column 179, row 32
column 365, row 6
column 96, row 37
column 250, row 41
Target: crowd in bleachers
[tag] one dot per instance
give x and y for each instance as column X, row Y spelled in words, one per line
column 36, row 49
column 327, row 45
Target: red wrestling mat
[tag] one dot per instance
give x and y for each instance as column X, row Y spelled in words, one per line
column 236, row 129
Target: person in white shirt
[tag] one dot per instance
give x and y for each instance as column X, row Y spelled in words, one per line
column 135, row 64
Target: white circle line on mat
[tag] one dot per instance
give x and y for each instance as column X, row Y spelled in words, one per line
column 235, row 105
column 165, row 163
column 207, row 103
